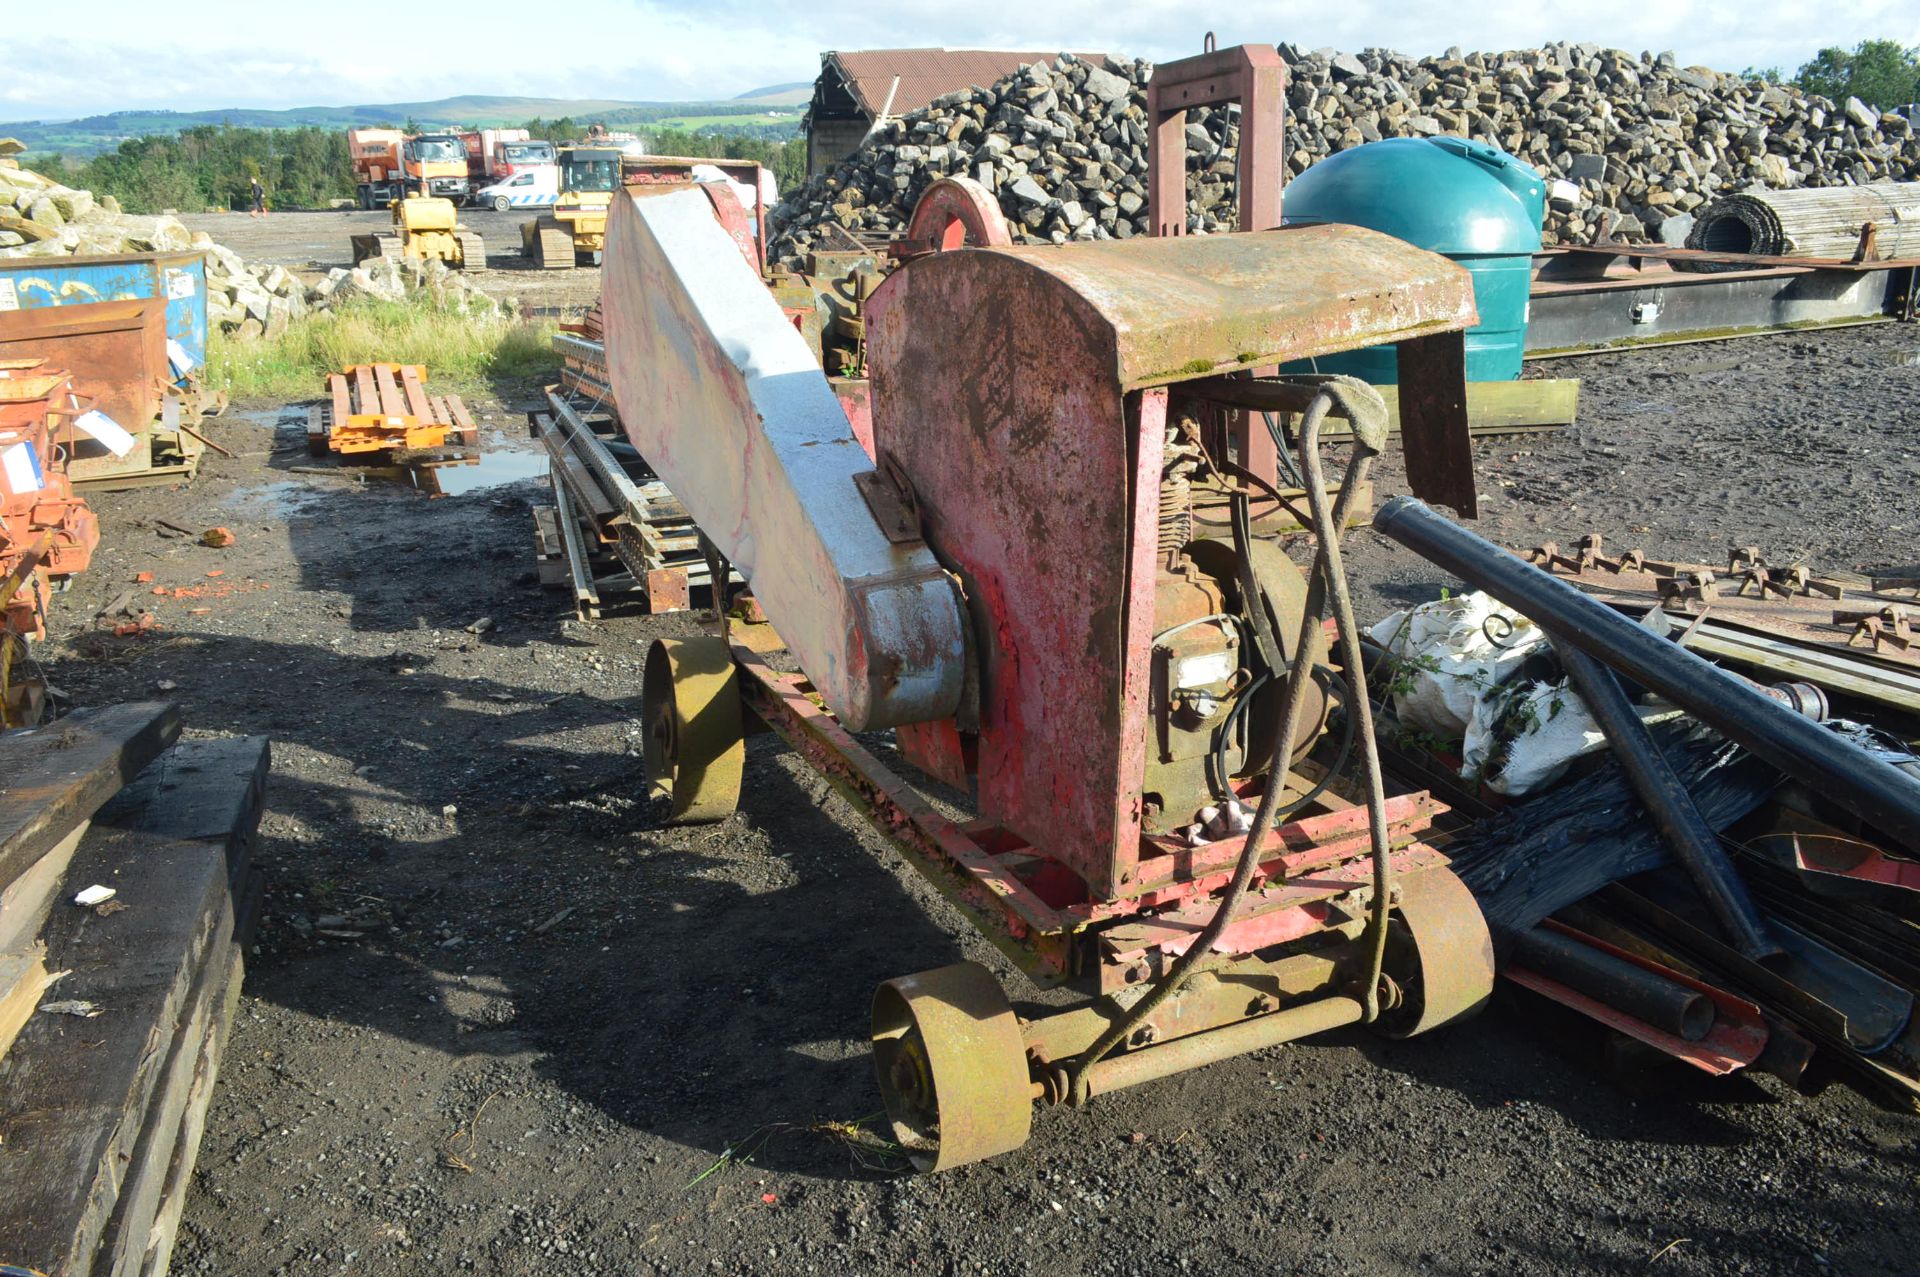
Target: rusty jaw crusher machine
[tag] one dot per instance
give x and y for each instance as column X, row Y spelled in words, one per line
column 1063, row 587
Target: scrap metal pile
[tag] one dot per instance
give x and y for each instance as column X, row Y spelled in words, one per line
column 1711, row 870
column 47, row 534
column 1636, row 143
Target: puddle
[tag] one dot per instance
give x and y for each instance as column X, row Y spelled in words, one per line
column 492, row 470
column 284, row 497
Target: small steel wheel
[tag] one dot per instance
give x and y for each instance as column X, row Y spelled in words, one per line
column 694, row 748
column 1439, row 955
column 952, row 1066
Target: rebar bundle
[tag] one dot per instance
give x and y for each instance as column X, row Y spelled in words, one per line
column 1820, row 222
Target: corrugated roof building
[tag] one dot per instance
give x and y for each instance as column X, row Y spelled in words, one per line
column 857, row 88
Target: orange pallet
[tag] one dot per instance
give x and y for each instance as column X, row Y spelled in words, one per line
column 377, row 408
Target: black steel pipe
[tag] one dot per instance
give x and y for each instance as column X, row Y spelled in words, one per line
column 1687, row 1014
column 1693, row 843
column 1872, row 789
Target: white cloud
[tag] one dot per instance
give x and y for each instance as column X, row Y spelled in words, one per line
column 244, row 53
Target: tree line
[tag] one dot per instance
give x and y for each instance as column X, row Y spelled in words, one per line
column 213, row 166
column 1884, row 74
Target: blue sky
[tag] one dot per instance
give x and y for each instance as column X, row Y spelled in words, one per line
column 247, row 53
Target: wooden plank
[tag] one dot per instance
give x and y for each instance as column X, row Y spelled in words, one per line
column 74, row 1093
column 23, row 978
column 1825, row 667
column 392, row 403
column 366, row 398
column 415, row 393
column 173, row 1126
column 337, row 393
column 54, row 777
column 123, row 1246
column 186, row 1150
column 28, row 899
column 458, row 413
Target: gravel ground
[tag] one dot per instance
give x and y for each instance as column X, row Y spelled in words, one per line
column 313, row 243
column 547, row 1036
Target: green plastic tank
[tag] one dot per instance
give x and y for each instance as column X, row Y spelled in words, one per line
column 1465, row 200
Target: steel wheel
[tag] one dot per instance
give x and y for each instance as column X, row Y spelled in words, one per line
column 693, row 742
column 501, row 203
column 952, row 1066
column 1438, row 952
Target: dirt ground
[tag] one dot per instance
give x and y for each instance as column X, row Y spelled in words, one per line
column 314, row 243
column 499, row 1020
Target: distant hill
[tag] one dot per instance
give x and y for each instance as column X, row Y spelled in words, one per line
column 96, row 133
column 798, row 93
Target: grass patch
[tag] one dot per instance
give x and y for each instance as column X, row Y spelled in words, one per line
column 463, row 353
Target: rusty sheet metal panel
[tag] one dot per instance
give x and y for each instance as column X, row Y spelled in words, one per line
column 117, row 352
column 723, row 398
column 1195, row 305
column 1001, row 383
column 993, row 388
column 1435, row 435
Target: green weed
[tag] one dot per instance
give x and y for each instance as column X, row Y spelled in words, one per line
column 462, row 353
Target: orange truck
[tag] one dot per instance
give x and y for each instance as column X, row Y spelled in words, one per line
column 389, row 165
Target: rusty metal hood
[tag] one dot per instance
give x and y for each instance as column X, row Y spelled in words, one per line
column 1189, row 306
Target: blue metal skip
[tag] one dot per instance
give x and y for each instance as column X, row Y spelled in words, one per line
column 30, row 283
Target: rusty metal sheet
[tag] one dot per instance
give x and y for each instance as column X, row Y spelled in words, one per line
column 727, row 404
column 1435, row 433
column 993, row 391
column 117, row 351
column 1001, row 383
column 1168, row 310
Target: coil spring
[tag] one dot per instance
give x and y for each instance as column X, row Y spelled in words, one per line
column 1181, row 460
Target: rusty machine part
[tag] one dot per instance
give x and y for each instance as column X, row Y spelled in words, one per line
column 47, row 532
column 693, row 741
column 1060, row 585
column 827, row 302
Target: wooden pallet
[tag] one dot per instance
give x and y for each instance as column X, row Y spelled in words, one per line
column 380, row 408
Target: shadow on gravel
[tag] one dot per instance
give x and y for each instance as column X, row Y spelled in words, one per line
column 708, row 985
column 1520, row 1053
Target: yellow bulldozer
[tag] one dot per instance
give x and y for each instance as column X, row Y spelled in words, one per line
column 575, row 230
column 424, row 227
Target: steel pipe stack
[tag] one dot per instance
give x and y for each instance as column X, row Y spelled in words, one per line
column 1819, row 222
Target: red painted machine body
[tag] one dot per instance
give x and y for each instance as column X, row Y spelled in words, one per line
column 1023, row 394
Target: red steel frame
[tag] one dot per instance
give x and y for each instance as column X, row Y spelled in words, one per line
column 980, row 868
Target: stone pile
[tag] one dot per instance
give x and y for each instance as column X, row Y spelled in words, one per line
column 1630, row 145
column 41, row 218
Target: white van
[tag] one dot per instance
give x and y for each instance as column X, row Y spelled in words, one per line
column 532, row 186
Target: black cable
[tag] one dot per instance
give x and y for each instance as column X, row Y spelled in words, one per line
column 1341, row 757
column 1283, row 455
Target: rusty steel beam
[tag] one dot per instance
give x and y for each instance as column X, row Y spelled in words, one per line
column 1252, row 75
column 1155, row 1062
